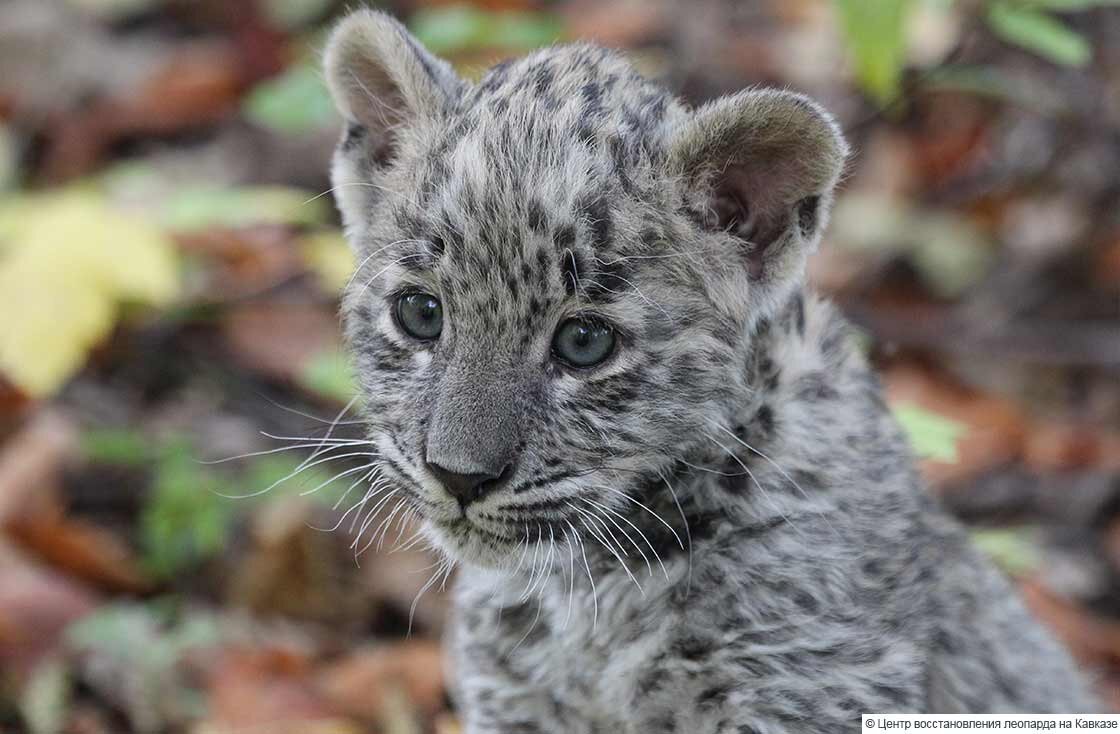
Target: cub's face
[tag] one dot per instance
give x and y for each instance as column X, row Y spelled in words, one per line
column 558, row 270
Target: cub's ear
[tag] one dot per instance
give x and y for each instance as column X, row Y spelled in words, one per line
column 762, row 166
column 381, row 78
column 382, row 81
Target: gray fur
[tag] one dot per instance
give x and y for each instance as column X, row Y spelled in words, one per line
column 720, row 528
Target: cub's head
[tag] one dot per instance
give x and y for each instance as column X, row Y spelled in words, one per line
column 559, row 269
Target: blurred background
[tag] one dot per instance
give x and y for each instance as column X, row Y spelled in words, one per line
column 169, row 266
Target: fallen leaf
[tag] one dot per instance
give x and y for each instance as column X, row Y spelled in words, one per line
column 192, row 209
column 994, row 428
column 31, row 461
column 267, row 689
column 932, row 436
column 283, row 340
column 36, row 606
column 329, row 255
column 361, row 684
column 240, row 263
column 80, row 548
column 69, row 262
column 1093, row 640
column 44, row 700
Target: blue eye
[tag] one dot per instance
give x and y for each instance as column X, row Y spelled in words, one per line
column 420, row 315
column 582, row 342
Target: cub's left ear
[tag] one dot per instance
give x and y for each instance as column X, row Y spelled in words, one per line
column 762, row 166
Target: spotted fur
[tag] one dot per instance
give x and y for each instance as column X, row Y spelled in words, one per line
column 719, row 528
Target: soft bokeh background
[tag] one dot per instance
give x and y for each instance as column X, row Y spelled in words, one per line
column 168, row 280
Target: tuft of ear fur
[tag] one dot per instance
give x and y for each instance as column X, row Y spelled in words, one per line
column 382, row 81
column 763, row 164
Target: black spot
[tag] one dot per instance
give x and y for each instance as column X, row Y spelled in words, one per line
column 543, row 79
column 765, row 419
column 436, row 246
column 599, row 220
column 564, row 237
column 538, row 221
column 355, row 133
column 714, row 696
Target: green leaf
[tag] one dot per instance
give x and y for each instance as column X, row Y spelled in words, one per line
column 329, row 255
column 1070, row 6
column 203, row 207
column 289, row 479
column 185, row 520
column 1015, row 550
column 295, row 102
column 1038, row 32
column 875, row 32
column 44, row 701
column 330, row 374
column 457, row 28
column 123, row 446
column 292, row 14
column 932, row 436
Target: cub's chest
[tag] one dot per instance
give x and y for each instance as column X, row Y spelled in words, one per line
column 586, row 660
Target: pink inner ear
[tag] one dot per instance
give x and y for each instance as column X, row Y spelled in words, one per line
column 752, row 205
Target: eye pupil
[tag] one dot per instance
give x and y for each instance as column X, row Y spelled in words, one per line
column 420, row 315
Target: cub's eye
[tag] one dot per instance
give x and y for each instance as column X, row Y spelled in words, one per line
column 583, row 343
column 420, row 315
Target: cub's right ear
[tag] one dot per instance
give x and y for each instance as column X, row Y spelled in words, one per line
column 381, row 78
column 382, row 81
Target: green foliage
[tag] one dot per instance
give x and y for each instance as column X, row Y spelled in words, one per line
column 289, row 479
column 875, row 31
column 148, row 641
column 1015, row 550
column 121, row 446
column 458, row 28
column 196, row 208
column 932, row 436
column 295, row 102
column 949, row 253
column 186, row 520
column 1039, row 32
column 330, row 374
column 43, row 703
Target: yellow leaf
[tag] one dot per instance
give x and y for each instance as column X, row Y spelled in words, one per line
column 329, row 255
column 67, row 262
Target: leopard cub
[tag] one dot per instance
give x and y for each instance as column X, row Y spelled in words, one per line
column 589, row 363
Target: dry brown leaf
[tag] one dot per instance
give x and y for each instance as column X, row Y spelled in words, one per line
column 360, row 685
column 1093, row 640
column 995, row 429
column 80, row 548
column 31, row 461
column 267, row 689
column 1052, row 446
column 198, row 86
column 36, row 606
column 280, row 339
column 243, row 262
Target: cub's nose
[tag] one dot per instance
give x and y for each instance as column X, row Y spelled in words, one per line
column 468, row 488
